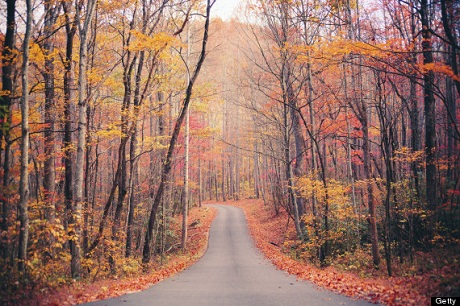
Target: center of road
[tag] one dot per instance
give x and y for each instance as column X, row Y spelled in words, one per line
column 231, row 272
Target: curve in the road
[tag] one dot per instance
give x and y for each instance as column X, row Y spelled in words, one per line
column 232, row 272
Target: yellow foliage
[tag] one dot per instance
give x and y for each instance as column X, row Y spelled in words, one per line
column 441, row 68
column 157, row 43
column 113, row 83
column 111, row 131
column 95, row 75
column 337, row 47
column 156, row 143
column 36, row 54
column 335, row 191
column 406, row 155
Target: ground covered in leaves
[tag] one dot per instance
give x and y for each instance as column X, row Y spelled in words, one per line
column 200, row 220
column 269, row 232
column 413, row 285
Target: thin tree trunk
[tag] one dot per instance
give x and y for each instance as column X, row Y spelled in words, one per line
column 370, row 194
column 89, row 170
column 71, row 28
column 177, row 127
column 49, row 178
column 24, row 181
column 81, row 142
column 200, row 180
column 134, row 170
column 387, row 155
column 224, row 197
column 134, row 181
column 5, row 104
column 184, row 231
column 314, row 165
column 288, row 171
column 429, row 110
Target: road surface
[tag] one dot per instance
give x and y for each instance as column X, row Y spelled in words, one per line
column 232, row 272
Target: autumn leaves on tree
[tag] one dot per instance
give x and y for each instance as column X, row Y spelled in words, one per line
column 342, row 113
column 65, row 134
column 347, row 88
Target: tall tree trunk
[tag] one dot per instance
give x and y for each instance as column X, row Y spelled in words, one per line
column 71, row 28
column 288, row 169
column 415, row 131
column 184, row 231
column 389, row 178
column 24, row 181
column 324, row 249
column 224, row 194
column 134, row 181
column 122, row 169
column 361, row 110
column 370, row 194
column 134, row 169
column 5, row 104
column 200, row 179
column 429, row 109
column 299, row 141
column 166, row 166
column 49, row 178
column 314, row 166
column 257, row 179
column 81, row 140
column 90, row 179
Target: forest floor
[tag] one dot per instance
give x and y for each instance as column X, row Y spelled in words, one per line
column 86, row 290
column 269, row 233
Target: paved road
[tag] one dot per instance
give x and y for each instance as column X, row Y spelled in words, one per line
column 232, row 272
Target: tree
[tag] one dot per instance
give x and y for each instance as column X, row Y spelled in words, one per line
column 166, row 167
column 81, row 139
column 429, row 107
column 25, row 132
column 71, row 29
column 51, row 14
column 282, row 67
column 5, row 105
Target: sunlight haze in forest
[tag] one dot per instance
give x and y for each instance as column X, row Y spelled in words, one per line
column 225, row 8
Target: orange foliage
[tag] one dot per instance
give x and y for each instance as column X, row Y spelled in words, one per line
column 80, row 292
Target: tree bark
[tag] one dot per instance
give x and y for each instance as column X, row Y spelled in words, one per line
column 71, row 28
column 5, row 104
column 23, row 215
column 49, row 185
column 370, row 194
column 429, row 109
column 81, row 141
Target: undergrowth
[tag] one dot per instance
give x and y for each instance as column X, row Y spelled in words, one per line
column 51, row 284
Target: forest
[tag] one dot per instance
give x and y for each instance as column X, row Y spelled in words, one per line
column 119, row 118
